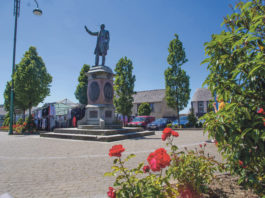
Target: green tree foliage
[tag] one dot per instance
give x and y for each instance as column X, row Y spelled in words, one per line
column 81, row 89
column 192, row 119
column 236, row 62
column 18, row 106
column 31, row 79
column 124, row 86
column 144, row 109
column 6, row 120
column 177, row 81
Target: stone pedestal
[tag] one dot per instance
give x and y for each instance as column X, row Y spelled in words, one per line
column 100, row 97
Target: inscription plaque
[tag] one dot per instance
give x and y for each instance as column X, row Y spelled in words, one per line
column 108, row 114
column 93, row 114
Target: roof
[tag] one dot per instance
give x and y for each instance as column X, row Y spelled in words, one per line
column 67, row 102
column 149, row 96
column 202, row 94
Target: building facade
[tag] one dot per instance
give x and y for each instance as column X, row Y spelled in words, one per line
column 157, row 101
column 200, row 101
column 2, row 114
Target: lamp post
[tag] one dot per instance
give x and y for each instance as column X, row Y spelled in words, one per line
column 38, row 12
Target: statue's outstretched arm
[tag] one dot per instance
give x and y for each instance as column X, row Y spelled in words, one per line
column 91, row 33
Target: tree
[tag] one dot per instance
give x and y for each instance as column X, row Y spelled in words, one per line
column 237, row 74
column 18, row 106
column 81, row 89
column 192, row 119
column 144, row 109
column 124, row 86
column 177, row 81
column 31, row 79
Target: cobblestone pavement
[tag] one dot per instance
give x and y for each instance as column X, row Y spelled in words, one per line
column 31, row 166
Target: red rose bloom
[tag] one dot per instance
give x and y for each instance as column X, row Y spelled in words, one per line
column 167, row 131
column 175, row 133
column 216, row 143
column 240, row 162
column 158, row 159
column 201, row 145
column 146, row 169
column 116, row 150
column 204, row 145
column 111, row 193
column 164, row 137
column 261, row 111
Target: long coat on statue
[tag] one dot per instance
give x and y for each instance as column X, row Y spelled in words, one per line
column 102, row 43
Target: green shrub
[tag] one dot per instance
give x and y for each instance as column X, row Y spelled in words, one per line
column 144, row 109
column 169, row 125
column 20, row 121
column 235, row 60
column 6, row 120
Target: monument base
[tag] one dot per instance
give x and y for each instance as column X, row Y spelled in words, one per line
column 100, row 114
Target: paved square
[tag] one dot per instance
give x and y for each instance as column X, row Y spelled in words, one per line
column 31, row 166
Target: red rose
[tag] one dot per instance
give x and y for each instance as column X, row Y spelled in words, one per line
column 116, row 150
column 158, row 159
column 175, row 133
column 240, row 162
column 164, row 137
column 216, row 143
column 201, row 145
column 146, row 169
column 261, row 111
column 167, row 131
column 111, row 193
column 204, row 144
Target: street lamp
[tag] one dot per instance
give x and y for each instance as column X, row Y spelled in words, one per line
column 38, row 12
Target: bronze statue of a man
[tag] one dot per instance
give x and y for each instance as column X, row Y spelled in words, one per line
column 102, row 43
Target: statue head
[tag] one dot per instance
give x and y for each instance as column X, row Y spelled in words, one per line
column 102, row 26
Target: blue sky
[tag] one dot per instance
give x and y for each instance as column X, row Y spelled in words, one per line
column 139, row 29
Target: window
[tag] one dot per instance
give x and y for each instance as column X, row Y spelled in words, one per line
column 200, row 107
column 152, row 107
column 138, row 105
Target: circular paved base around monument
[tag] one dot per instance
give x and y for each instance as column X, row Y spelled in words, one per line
column 31, row 166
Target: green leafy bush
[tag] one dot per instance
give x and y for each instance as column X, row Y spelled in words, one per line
column 192, row 119
column 20, row 121
column 6, row 120
column 144, row 109
column 236, row 64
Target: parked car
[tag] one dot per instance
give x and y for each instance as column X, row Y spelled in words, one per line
column 141, row 121
column 183, row 121
column 160, row 123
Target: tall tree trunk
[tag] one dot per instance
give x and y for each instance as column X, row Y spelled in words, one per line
column 30, row 110
column 123, row 119
column 24, row 115
column 178, row 113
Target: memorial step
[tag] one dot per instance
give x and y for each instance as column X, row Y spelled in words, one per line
column 101, row 138
column 97, row 131
column 98, row 127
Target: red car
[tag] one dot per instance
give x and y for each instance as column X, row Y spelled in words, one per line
column 141, row 121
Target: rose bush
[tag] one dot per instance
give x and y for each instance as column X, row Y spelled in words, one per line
column 191, row 170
